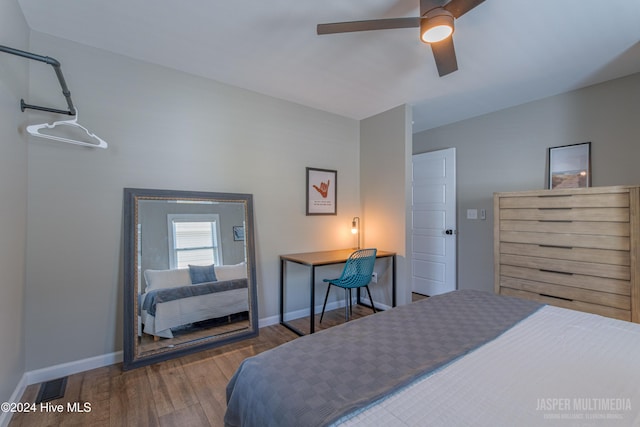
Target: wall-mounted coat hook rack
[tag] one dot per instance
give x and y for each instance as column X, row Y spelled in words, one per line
column 34, row 130
column 56, row 67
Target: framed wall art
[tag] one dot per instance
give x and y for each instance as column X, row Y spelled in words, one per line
column 322, row 186
column 238, row 233
column 570, row 166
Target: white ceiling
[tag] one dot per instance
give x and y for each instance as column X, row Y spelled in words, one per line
column 509, row 51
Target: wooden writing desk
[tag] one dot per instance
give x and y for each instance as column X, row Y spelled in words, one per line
column 317, row 259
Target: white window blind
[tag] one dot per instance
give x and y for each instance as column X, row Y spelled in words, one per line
column 194, row 239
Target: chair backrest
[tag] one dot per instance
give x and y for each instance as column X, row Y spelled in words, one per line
column 359, row 268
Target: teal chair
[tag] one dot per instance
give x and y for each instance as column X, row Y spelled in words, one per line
column 356, row 274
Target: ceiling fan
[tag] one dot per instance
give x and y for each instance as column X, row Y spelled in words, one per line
column 436, row 22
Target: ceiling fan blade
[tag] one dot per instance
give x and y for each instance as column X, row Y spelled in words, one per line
column 460, row 7
column 375, row 24
column 445, row 56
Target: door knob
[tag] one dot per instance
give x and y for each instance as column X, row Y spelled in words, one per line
column 449, row 231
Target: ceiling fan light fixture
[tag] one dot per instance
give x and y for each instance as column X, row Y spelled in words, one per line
column 436, row 26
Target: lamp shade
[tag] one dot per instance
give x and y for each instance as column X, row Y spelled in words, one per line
column 436, row 26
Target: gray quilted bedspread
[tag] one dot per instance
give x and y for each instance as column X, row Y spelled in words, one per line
column 316, row 379
column 170, row 294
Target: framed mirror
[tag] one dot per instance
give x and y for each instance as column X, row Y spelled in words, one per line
column 190, row 274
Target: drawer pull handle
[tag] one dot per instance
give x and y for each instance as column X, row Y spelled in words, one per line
column 557, row 272
column 556, row 195
column 554, row 209
column 556, row 246
column 556, row 220
column 555, row 297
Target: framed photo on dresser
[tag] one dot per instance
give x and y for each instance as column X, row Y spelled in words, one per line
column 570, row 166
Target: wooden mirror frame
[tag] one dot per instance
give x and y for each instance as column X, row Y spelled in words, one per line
column 132, row 196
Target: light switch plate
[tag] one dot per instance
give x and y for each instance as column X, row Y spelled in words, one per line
column 472, row 213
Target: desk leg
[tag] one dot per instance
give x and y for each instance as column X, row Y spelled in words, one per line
column 312, row 309
column 283, row 274
column 393, row 281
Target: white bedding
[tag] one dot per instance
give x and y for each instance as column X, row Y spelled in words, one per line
column 183, row 311
column 172, row 314
column 556, row 368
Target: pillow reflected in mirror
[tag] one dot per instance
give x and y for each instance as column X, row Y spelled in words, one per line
column 230, row 272
column 202, row 274
column 161, row 279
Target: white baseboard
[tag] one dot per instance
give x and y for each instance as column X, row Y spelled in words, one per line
column 378, row 305
column 292, row 315
column 5, row 417
column 57, row 371
column 269, row 321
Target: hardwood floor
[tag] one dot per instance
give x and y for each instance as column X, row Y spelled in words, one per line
column 189, row 391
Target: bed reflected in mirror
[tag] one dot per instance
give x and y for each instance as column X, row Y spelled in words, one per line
column 190, row 273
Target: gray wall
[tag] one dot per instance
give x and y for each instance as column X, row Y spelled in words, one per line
column 506, row 151
column 385, row 163
column 169, row 130
column 13, row 197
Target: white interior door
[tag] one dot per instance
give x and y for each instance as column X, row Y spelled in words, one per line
column 434, row 222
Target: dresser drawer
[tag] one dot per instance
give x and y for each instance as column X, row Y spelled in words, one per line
column 601, row 284
column 555, row 201
column 567, row 214
column 566, row 267
column 567, row 252
column 602, row 310
column 605, row 228
column 568, row 293
column 594, row 241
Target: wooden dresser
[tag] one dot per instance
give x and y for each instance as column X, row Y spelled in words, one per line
column 573, row 248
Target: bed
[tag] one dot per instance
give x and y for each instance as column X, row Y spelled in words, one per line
column 462, row 358
column 172, row 300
